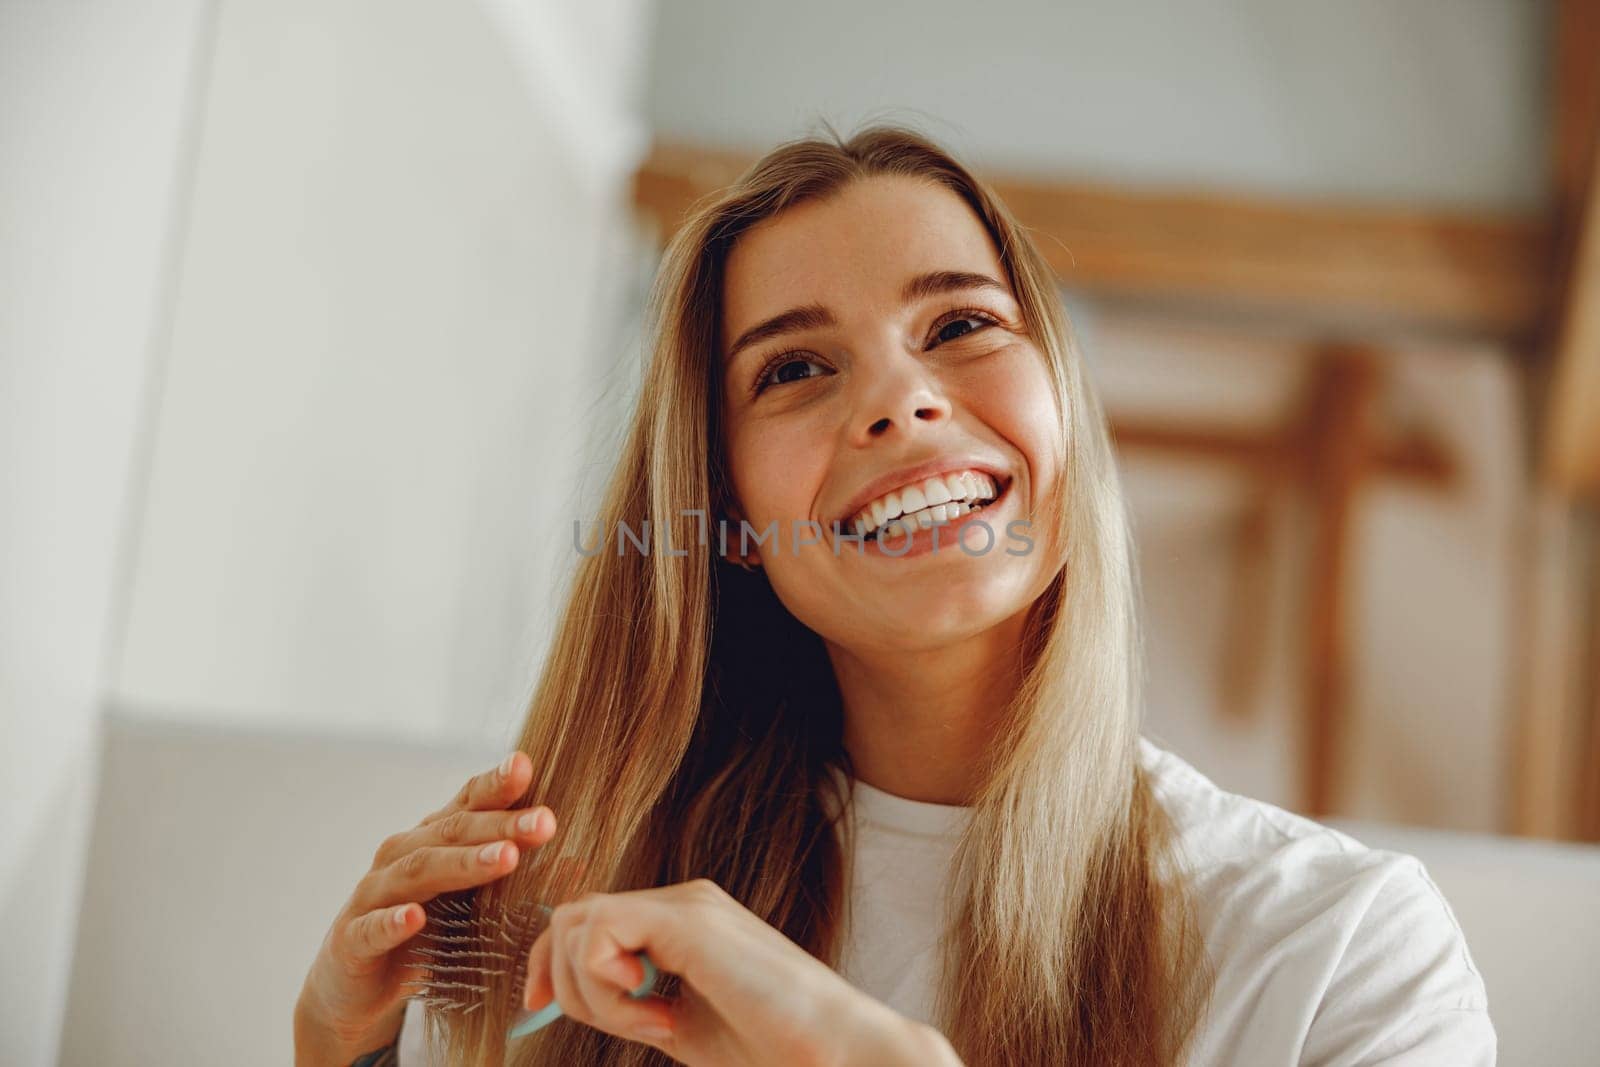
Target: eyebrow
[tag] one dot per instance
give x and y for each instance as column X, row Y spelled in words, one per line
column 815, row 316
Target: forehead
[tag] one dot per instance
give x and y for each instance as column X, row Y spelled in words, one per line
column 854, row 248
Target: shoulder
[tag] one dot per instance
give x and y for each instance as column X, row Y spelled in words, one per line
column 1221, row 828
column 1318, row 942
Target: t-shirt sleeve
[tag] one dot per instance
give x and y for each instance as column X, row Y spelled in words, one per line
column 1405, row 989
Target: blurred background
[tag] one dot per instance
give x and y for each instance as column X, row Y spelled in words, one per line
column 318, row 322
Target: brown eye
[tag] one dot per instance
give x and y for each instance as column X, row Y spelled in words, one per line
column 780, row 371
column 781, row 376
column 965, row 322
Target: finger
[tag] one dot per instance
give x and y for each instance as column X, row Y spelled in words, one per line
column 497, row 788
column 528, row 827
column 665, row 921
column 375, row 934
column 565, row 979
column 424, row 873
column 651, row 1020
column 608, row 961
column 607, row 975
column 539, row 990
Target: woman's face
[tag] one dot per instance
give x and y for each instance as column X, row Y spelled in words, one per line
column 871, row 340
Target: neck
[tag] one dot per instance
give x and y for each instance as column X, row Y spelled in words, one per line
column 914, row 721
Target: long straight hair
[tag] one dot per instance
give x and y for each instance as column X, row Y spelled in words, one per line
column 687, row 725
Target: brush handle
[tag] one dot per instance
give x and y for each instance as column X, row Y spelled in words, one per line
column 529, row 1021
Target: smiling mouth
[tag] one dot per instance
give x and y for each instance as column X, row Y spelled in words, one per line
column 922, row 506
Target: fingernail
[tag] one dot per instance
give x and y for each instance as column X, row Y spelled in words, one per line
column 507, row 765
column 528, row 822
column 399, row 915
column 490, row 853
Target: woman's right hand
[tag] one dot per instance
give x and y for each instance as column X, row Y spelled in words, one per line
column 353, row 1000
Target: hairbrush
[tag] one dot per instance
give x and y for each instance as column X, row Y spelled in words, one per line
column 462, row 948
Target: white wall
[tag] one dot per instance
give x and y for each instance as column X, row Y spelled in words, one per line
column 394, row 330
column 92, row 131
column 1438, row 101
column 309, row 321
column 299, row 817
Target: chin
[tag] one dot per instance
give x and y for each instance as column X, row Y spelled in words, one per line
column 932, row 617
column 913, row 609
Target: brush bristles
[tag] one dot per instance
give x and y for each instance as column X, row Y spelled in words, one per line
column 462, row 949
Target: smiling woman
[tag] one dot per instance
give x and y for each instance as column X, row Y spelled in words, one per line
column 921, row 362
column 876, row 807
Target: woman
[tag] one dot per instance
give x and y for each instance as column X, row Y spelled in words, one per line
column 873, row 788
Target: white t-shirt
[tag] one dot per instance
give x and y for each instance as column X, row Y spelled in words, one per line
column 1325, row 952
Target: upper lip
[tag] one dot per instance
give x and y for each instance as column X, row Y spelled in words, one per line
column 919, row 472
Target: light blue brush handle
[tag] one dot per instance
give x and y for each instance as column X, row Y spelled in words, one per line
column 529, row 1021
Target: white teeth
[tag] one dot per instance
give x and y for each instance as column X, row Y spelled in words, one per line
column 940, row 499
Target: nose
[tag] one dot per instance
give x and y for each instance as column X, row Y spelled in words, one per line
column 896, row 394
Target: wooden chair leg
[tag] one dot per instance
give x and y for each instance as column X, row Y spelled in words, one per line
column 1339, row 450
column 1249, row 604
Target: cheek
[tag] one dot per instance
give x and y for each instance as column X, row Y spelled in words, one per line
column 1014, row 397
column 772, row 469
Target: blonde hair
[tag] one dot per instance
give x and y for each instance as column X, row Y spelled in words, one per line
column 686, row 725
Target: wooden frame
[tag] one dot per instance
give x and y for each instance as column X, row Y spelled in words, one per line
column 1555, row 755
column 1474, row 274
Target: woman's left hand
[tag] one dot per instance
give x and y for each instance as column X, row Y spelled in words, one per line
column 748, row 994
